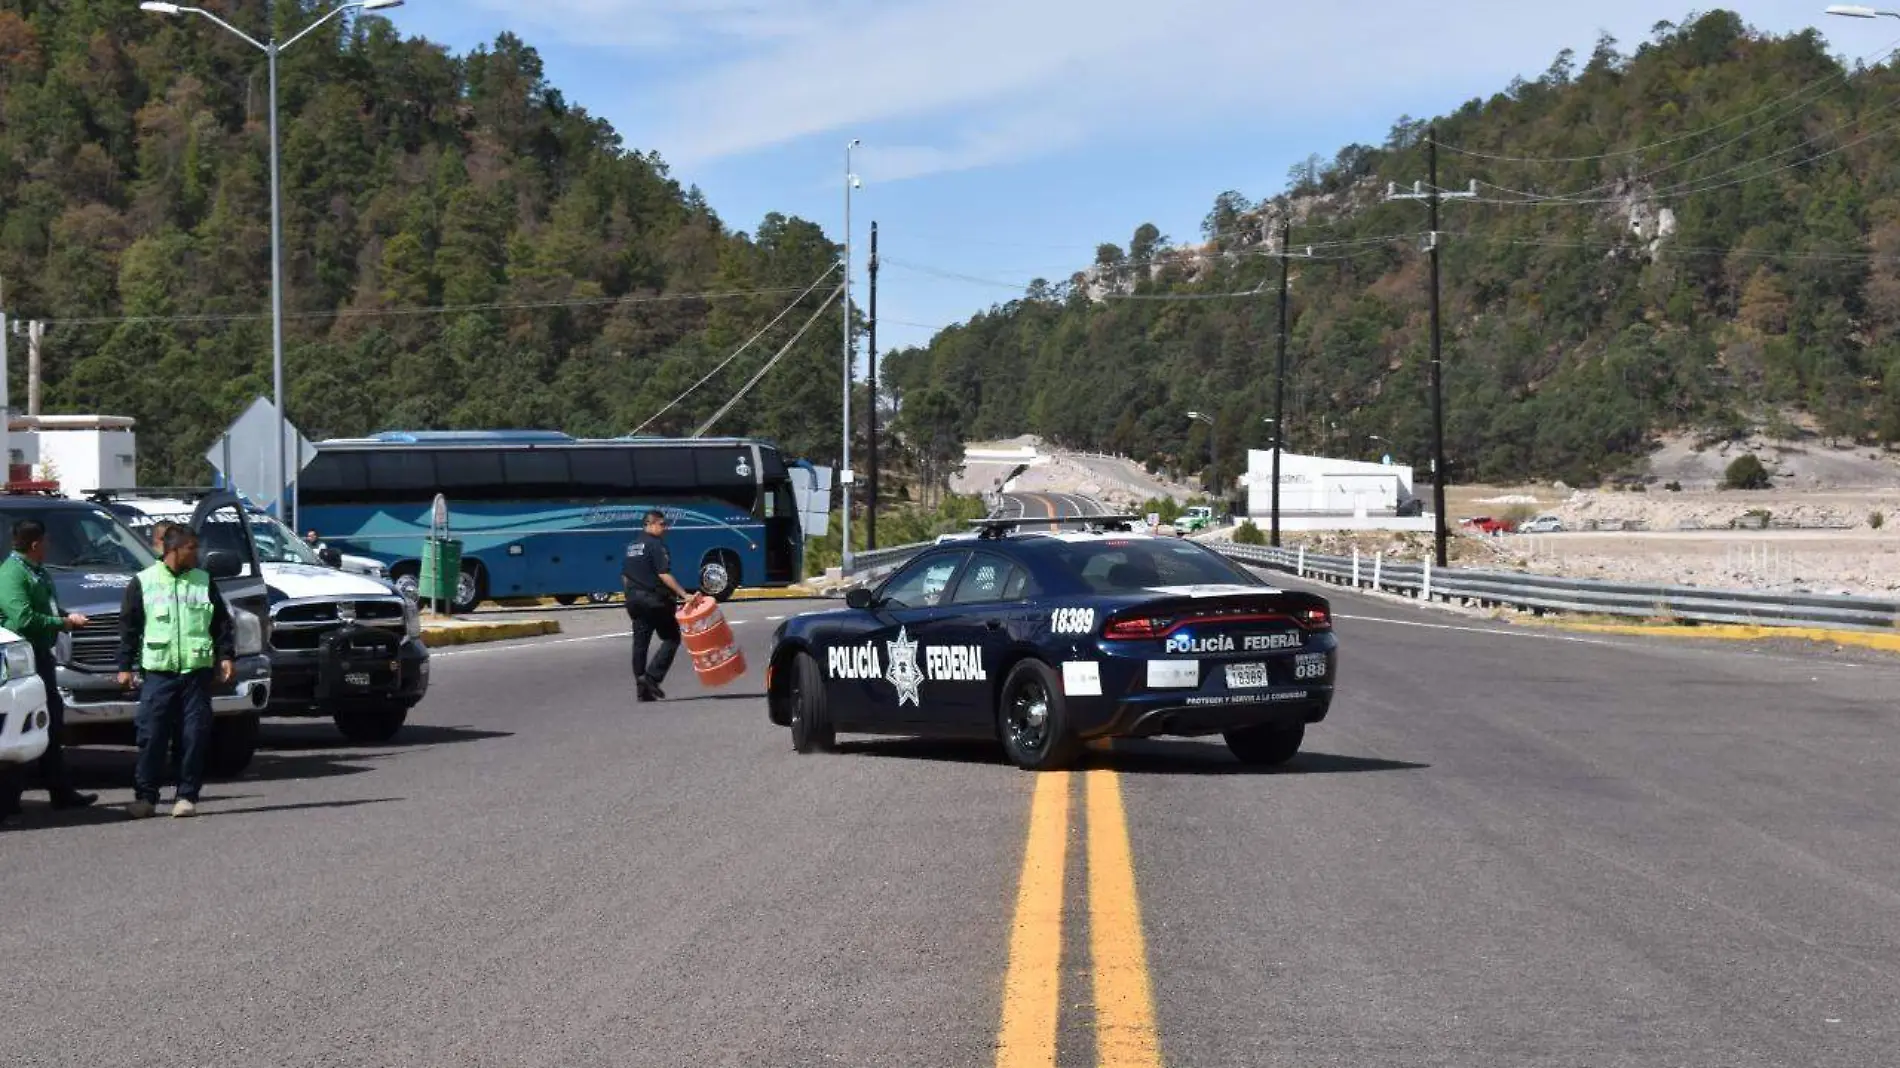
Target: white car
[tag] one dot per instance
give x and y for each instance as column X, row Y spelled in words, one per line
column 23, row 719
column 1543, row 524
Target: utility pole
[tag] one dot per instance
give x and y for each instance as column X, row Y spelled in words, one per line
column 1432, row 195
column 1279, row 381
column 34, row 331
column 870, row 518
column 844, row 474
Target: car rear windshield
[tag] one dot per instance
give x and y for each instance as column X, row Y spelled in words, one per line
column 1114, row 565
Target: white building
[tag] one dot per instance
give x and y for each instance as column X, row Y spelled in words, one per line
column 80, row 452
column 1321, row 493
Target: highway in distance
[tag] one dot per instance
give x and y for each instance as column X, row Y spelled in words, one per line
column 1504, row 847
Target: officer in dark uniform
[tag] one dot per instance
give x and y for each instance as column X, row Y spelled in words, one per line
column 652, row 596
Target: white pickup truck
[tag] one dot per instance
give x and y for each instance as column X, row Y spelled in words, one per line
column 23, row 719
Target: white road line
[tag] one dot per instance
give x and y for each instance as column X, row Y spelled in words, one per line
column 1631, row 642
column 773, row 619
column 530, row 645
column 1479, row 630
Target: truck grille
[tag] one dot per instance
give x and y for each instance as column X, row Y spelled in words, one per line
column 95, row 647
column 301, row 626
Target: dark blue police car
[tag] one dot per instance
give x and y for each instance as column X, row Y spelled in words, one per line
column 1046, row 639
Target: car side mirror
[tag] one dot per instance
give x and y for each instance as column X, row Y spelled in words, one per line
column 223, row 564
column 859, row 598
column 333, row 557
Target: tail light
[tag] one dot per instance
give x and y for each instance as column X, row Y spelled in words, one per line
column 1316, row 619
column 1136, row 629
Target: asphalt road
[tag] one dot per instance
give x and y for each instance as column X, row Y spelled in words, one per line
column 1053, row 505
column 1502, row 848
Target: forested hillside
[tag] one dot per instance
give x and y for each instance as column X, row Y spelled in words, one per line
column 1699, row 233
column 464, row 247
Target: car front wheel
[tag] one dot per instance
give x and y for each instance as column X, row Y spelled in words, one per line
column 233, row 744
column 1265, row 746
column 1033, row 719
column 805, row 705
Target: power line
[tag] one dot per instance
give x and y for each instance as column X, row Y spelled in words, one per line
column 747, row 388
column 1684, row 250
column 1693, row 187
column 443, row 309
column 1699, row 185
column 1164, row 259
column 736, row 352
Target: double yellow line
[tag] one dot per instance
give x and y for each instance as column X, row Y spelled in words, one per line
column 1032, row 989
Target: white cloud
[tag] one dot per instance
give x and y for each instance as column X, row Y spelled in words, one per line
column 995, row 80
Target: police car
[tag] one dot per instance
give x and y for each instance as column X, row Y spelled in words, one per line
column 1045, row 639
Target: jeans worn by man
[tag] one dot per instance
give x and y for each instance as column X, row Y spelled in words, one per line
column 174, row 709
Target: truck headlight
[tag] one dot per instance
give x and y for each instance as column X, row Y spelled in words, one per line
column 16, row 661
column 250, row 632
column 411, row 619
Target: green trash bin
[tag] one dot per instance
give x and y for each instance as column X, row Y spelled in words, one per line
column 441, row 570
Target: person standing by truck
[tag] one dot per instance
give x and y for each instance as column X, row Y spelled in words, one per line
column 174, row 626
column 653, row 594
column 27, row 609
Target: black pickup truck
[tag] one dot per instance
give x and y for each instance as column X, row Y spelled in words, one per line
column 92, row 556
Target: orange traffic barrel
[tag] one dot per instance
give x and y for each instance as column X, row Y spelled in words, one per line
column 708, row 640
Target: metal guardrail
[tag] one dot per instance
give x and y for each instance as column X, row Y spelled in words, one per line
column 1546, row 593
column 1535, row 593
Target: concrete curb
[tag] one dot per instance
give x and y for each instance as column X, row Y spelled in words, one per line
column 787, row 593
column 1737, row 633
column 435, row 635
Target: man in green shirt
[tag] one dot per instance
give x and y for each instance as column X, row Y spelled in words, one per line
column 27, row 608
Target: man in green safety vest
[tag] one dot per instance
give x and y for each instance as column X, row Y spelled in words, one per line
column 174, row 627
column 29, row 608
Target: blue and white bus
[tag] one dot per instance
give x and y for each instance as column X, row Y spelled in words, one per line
column 540, row 513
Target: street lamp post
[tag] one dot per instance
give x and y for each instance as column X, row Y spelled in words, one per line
column 271, row 49
column 1213, row 450
column 1273, row 426
column 850, row 183
column 1858, row 11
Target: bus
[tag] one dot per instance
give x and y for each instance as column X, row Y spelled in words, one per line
column 539, row 513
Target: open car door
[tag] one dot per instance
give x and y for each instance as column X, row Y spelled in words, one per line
column 227, row 550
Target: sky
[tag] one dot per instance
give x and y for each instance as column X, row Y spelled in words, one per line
column 1002, row 140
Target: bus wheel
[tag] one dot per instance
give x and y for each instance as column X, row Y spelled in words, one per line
column 719, row 576
column 567, row 600
column 407, row 578
column 468, row 589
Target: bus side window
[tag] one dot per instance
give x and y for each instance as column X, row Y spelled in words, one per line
column 661, row 469
column 472, row 473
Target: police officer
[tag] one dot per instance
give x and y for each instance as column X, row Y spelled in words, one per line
column 652, row 595
column 176, row 624
column 27, row 609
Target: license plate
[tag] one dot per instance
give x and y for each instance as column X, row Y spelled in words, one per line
column 1246, row 676
column 357, row 678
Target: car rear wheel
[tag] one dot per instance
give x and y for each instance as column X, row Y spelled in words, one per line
column 1266, row 746
column 372, row 726
column 567, row 600
column 233, row 744
column 12, row 785
column 805, row 706
column 1032, row 719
